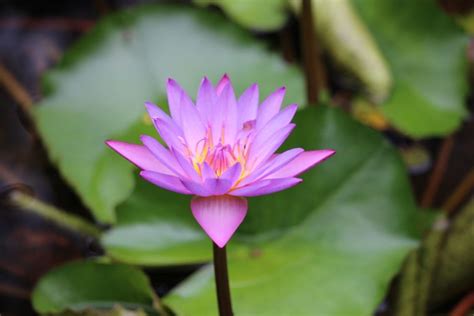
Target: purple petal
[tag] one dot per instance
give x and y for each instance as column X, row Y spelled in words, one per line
column 207, row 171
column 197, row 188
column 206, row 98
column 230, row 120
column 164, row 181
column 219, row 216
column 156, row 112
column 223, row 118
column 162, row 154
column 193, row 128
column 262, row 148
column 302, row 163
column 265, row 187
column 138, row 155
column 273, row 164
column 247, row 105
column 217, row 186
column 233, row 173
column 167, row 133
column 224, row 81
column 270, row 107
column 176, row 98
column 187, row 167
column 279, row 121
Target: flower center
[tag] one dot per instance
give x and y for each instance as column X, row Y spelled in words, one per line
column 220, row 157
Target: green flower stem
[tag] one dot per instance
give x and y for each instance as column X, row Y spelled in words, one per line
column 222, row 281
column 54, row 214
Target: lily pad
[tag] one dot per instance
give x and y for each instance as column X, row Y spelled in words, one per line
column 83, row 285
column 426, row 51
column 98, row 90
column 328, row 246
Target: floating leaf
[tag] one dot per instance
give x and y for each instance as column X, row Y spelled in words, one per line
column 329, row 246
column 98, row 90
column 84, row 285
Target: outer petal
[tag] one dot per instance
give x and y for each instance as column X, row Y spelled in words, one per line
column 164, row 181
column 273, row 164
column 266, row 187
column 219, row 216
column 270, row 107
column 262, row 148
column 302, row 163
column 162, row 154
column 139, row 155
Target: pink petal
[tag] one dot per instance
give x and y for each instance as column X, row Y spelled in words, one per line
column 302, row 163
column 270, row 107
column 138, row 155
column 162, row 154
column 247, row 105
column 265, row 187
column 219, row 216
column 222, row 83
column 164, row 181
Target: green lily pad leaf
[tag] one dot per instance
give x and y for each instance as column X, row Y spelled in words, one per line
column 329, row 246
column 426, row 52
column 82, row 285
column 266, row 15
column 98, row 90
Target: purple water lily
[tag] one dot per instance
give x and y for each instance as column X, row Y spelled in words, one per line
column 221, row 150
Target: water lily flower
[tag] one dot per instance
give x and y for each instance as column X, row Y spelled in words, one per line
column 221, row 150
